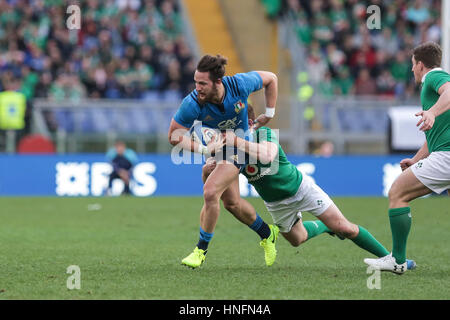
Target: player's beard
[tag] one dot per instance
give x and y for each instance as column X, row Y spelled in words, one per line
column 211, row 96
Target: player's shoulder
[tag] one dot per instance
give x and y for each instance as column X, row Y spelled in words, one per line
column 191, row 103
column 191, row 99
column 241, row 81
column 233, row 84
column 437, row 75
column 245, row 75
column 266, row 133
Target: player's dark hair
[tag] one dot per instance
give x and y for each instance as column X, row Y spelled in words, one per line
column 430, row 53
column 215, row 65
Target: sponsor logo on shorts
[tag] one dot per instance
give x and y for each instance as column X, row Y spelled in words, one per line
column 419, row 165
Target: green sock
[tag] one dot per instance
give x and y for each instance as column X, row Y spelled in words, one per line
column 314, row 228
column 366, row 241
column 400, row 219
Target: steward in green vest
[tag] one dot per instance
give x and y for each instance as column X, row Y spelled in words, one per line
column 12, row 110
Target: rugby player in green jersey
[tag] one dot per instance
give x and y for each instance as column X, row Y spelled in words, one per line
column 287, row 192
column 429, row 170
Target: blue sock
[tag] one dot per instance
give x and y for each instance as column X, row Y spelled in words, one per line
column 260, row 227
column 205, row 238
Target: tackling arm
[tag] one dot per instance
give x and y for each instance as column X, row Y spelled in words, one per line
column 265, row 151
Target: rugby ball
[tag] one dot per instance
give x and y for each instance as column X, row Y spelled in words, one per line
column 203, row 134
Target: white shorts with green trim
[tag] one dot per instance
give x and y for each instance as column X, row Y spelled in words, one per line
column 434, row 171
column 309, row 197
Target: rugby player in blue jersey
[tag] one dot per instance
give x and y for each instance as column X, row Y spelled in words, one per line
column 220, row 102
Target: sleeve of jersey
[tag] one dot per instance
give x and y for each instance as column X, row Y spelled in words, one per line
column 131, row 156
column 186, row 114
column 267, row 134
column 111, row 154
column 249, row 82
column 438, row 79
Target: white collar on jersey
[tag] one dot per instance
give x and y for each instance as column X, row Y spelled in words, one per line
column 434, row 69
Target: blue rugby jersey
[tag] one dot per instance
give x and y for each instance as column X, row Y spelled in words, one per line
column 234, row 112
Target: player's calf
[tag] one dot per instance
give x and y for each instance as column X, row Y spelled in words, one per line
column 297, row 235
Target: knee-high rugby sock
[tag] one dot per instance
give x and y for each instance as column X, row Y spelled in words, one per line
column 367, row 241
column 260, row 227
column 205, row 238
column 400, row 220
column 314, row 228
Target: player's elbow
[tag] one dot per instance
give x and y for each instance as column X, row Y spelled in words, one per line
column 273, row 79
column 176, row 136
column 172, row 141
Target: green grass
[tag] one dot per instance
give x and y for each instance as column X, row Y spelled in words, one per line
column 132, row 248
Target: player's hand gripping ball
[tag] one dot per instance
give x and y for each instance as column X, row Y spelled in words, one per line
column 204, row 135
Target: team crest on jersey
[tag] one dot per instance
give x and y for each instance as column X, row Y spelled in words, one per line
column 251, row 170
column 238, row 106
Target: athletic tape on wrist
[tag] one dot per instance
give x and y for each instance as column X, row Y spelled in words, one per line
column 270, row 112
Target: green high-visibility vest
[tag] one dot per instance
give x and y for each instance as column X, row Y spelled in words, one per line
column 12, row 110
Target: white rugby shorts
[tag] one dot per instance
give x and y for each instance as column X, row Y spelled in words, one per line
column 309, row 197
column 434, row 171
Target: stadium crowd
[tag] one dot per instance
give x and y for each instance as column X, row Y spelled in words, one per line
column 124, row 49
column 346, row 57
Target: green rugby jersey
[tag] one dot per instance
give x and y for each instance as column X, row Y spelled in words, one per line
column 277, row 180
column 438, row 137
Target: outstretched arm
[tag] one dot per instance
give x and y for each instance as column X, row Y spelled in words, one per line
column 441, row 106
column 270, row 84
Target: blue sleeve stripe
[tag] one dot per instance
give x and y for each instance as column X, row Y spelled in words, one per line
column 229, row 85
column 195, row 99
column 236, row 86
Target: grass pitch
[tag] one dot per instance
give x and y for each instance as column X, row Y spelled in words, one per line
column 131, row 248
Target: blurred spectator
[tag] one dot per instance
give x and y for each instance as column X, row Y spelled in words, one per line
column 417, row 13
column 122, row 160
column 343, row 83
column 385, row 83
column 363, row 84
column 326, row 149
column 15, row 108
column 400, row 69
